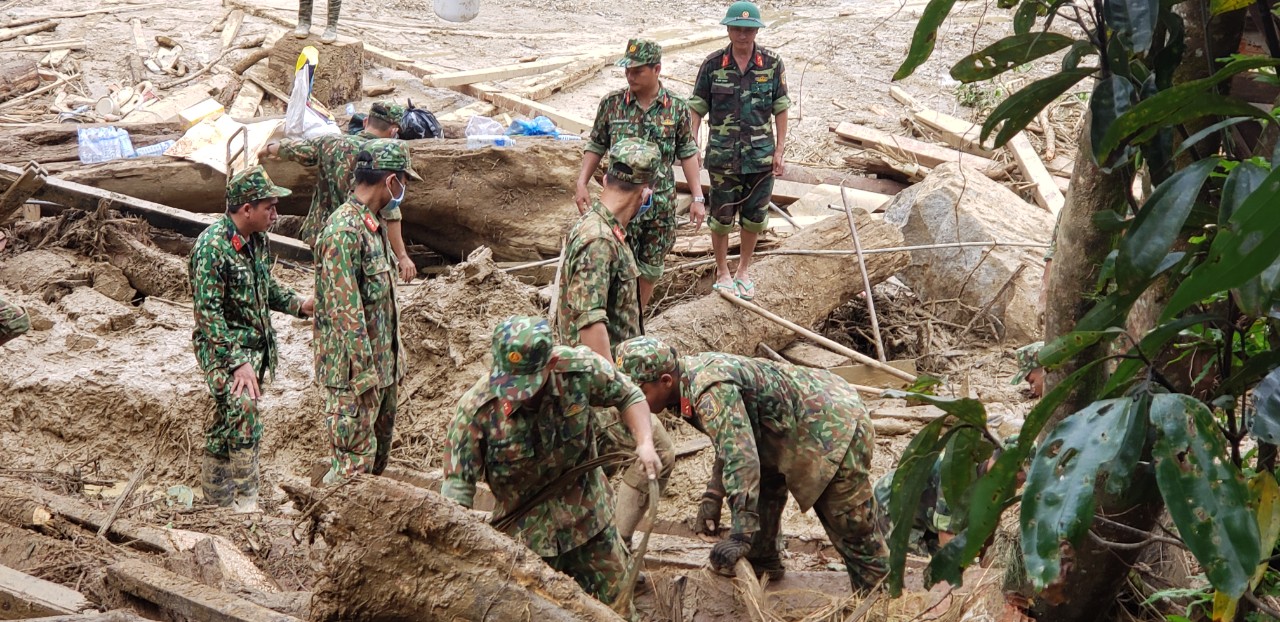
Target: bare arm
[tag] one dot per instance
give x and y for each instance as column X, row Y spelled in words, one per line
column 780, row 128
column 590, row 160
column 596, row 337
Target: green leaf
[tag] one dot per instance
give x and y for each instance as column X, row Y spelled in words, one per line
column 1193, row 139
column 1251, row 372
column 1008, row 53
column 1112, row 97
column 1119, row 470
column 1151, row 343
column 925, row 36
column 1015, row 112
column 1132, row 21
column 967, row 410
column 1218, row 7
column 1199, row 106
column 1241, row 250
column 1169, row 58
column 1025, row 17
column 1109, row 221
column 1242, row 181
column 909, row 481
column 1266, row 419
column 1157, row 225
column 1078, row 51
column 1058, row 502
column 1071, row 344
column 965, row 451
column 1205, row 492
column 994, row 491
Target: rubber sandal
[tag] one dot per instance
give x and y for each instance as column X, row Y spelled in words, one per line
column 732, row 288
column 746, row 289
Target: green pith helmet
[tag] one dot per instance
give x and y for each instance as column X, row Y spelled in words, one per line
column 744, row 14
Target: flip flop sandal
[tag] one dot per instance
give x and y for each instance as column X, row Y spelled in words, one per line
column 731, row 288
column 746, row 289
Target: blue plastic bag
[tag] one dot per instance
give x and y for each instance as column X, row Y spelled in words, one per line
column 539, row 126
column 103, row 144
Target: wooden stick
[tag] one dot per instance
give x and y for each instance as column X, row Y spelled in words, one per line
column 113, row 9
column 532, row 264
column 816, row 338
column 787, row 217
column 771, row 353
column 555, row 287
column 13, row 33
column 866, row 281
column 39, row 91
column 622, row 604
column 869, row 251
column 124, row 496
column 872, row 391
column 752, row 593
column 66, row 44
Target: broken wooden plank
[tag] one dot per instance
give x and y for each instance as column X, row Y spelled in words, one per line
column 119, row 615
column 54, row 58
column 115, row 8
column 784, row 192
column 904, row 98
column 180, row 595
column 71, row 194
column 24, row 187
column 232, row 28
column 870, row 376
column 170, row 107
column 65, row 44
column 907, row 149
column 257, row 76
column 957, row 133
column 22, row 31
column 530, row 108
column 465, row 113
column 141, row 537
column 1044, row 188
column 24, row 596
column 498, row 73
column 247, row 101
column 692, row 446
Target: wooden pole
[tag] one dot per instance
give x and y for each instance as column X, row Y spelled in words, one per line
column 866, row 282
column 872, row 391
column 555, row 288
column 124, row 496
column 816, row 338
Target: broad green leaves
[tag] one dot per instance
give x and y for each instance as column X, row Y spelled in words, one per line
column 1204, row 492
column 909, row 482
column 1008, row 53
column 925, row 36
column 1015, row 112
column 1151, row 235
column 1132, row 22
column 1266, row 421
column 1218, row 7
column 1059, row 498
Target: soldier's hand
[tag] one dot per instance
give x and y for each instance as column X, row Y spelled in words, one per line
column 697, row 214
column 779, row 166
column 582, row 198
column 265, row 151
column 726, row 553
column 309, row 307
column 407, row 269
column 243, row 379
column 708, row 520
column 648, row 457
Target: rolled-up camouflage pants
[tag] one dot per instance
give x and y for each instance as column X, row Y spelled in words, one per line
column 360, row 430
column 599, row 565
column 13, row 321
column 236, row 423
column 739, row 196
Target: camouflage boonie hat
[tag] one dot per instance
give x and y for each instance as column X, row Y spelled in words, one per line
column 388, row 154
column 641, row 156
column 388, row 111
column 1028, row 360
column 645, row 359
column 641, row 52
column 252, row 184
column 521, row 358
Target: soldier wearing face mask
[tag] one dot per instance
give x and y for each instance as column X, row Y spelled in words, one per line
column 359, row 359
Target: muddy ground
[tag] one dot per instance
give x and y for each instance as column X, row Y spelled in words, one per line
column 107, row 382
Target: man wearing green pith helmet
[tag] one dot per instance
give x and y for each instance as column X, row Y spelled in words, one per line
column 743, row 91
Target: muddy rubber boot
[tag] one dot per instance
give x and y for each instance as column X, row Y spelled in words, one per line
column 331, row 30
column 629, row 509
column 244, row 474
column 768, row 566
column 304, row 19
column 215, row 480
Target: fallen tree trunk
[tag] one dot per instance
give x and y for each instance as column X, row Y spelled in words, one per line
column 49, row 143
column 17, row 77
column 404, row 553
column 517, row 200
column 802, row 289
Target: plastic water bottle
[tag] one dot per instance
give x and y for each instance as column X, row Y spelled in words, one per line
column 568, row 137
column 103, row 144
column 489, row 140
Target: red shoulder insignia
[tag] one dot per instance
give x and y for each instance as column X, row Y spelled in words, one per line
column 370, row 223
column 686, row 409
column 759, row 60
column 619, row 233
column 237, row 242
column 724, row 61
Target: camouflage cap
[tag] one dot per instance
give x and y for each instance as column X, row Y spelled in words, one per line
column 641, row 52
column 645, row 359
column 640, row 157
column 388, row 111
column 389, row 154
column 252, row 184
column 521, row 357
column 1028, row 360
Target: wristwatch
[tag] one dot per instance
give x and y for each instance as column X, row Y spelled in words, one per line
column 699, row 199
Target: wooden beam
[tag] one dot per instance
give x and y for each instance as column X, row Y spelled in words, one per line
column 957, row 133
column 246, row 104
column 24, row 596
column 907, row 149
column 1045, row 189
column 66, row 44
column 118, row 615
column 71, row 194
column 24, row 187
column 232, row 28
column 184, row 597
column 498, row 73
column 784, row 192
column 22, row 31
column 528, row 107
column 141, row 537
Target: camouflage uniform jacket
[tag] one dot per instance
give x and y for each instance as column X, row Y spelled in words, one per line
column 335, row 157
column 666, row 123
column 764, row 415
column 233, row 294
column 357, row 326
column 520, row 451
column 599, row 280
column 741, row 107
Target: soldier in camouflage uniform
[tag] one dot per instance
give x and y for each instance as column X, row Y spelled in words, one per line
column 233, row 294
column 523, row 426
column 741, row 88
column 776, row 428
column 646, row 110
column 359, row 359
column 334, row 155
column 599, row 307
column 13, row 321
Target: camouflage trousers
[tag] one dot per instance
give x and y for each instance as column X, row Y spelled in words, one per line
column 236, row 422
column 614, row 436
column 599, row 565
column 650, row 241
column 360, row 430
column 13, row 321
column 846, row 508
column 741, row 196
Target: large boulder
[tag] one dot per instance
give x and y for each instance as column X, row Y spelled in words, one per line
column 959, row 204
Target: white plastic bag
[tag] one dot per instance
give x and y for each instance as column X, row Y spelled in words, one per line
column 301, row 119
column 484, row 126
